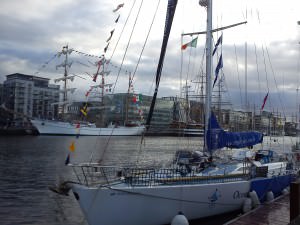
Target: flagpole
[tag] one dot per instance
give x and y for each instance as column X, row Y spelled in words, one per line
column 181, row 63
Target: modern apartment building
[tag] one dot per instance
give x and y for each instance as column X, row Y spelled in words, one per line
column 30, row 96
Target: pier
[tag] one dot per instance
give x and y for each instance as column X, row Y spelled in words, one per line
column 276, row 212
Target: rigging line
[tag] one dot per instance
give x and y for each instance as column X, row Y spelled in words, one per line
column 273, row 73
column 122, row 31
column 44, row 64
column 137, row 16
column 154, row 16
column 181, row 67
column 150, row 28
column 226, row 89
column 201, row 73
column 237, row 69
column 266, row 73
column 257, row 70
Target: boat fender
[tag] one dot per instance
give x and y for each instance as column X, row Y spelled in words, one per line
column 254, row 198
column 285, row 191
column 179, row 219
column 247, row 205
column 270, row 196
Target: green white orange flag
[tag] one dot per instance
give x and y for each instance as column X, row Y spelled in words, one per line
column 193, row 44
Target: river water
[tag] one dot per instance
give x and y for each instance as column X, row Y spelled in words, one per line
column 30, row 164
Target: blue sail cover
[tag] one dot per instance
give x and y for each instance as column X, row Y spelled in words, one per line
column 217, row 138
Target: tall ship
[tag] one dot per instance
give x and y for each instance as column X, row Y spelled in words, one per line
column 78, row 127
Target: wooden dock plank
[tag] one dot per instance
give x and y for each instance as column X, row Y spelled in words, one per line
column 276, row 213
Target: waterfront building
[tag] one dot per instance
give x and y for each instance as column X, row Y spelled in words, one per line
column 30, row 96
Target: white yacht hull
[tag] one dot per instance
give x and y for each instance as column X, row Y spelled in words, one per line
column 158, row 204
column 49, row 127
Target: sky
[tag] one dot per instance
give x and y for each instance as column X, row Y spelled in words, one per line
column 33, row 31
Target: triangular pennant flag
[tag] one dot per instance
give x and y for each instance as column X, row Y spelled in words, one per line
column 111, row 34
column 72, row 147
column 67, row 161
column 140, row 97
column 95, row 77
column 117, row 18
column 219, row 41
column 134, row 99
column 118, row 7
column 105, row 49
column 193, row 44
column 219, row 66
column 264, row 102
column 83, row 112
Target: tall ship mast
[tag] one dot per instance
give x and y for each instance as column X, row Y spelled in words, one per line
column 66, row 65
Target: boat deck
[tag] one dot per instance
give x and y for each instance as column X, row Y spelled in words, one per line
column 276, row 213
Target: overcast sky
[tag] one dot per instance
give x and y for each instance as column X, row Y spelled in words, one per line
column 33, row 31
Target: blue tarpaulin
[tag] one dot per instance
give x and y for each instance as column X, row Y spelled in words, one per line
column 217, row 138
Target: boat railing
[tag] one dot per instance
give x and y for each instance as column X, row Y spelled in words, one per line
column 95, row 174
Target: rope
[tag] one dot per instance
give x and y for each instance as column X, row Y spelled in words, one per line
column 237, row 69
column 146, row 39
column 127, row 45
column 257, row 70
column 275, row 81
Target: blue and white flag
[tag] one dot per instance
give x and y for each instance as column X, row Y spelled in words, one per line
column 220, row 40
column 219, row 66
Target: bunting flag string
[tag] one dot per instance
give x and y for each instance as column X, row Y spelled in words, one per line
column 45, row 64
column 89, row 91
column 219, row 66
column 98, row 64
column 100, row 57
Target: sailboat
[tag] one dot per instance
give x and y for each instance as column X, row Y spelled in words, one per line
column 151, row 196
column 83, row 128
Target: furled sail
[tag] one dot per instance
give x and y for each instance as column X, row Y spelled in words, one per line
column 217, row 138
column 168, row 24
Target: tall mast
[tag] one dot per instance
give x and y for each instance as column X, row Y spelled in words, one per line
column 65, row 97
column 168, row 24
column 208, row 4
column 127, row 99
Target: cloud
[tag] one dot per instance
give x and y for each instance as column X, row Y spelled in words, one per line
column 32, row 32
